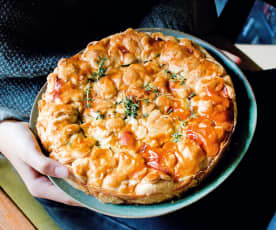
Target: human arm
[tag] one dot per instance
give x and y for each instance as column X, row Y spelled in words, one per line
column 19, row 146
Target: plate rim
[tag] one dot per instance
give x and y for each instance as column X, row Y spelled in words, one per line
column 225, row 174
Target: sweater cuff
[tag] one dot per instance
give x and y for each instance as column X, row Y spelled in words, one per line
column 8, row 114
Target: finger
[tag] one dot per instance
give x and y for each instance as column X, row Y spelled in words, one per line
column 46, row 166
column 233, row 57
column 40, row 186
column 34, row 157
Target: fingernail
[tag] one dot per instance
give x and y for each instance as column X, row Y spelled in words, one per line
column 61, row 172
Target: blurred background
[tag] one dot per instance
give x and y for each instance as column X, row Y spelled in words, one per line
column 260, row 25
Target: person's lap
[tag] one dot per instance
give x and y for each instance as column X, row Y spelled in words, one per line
column 68, row 217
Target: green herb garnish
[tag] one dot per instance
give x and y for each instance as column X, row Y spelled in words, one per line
column 167, row 71
column 170, row 110
column 157, row 55
column 193, row 115
column 88, row 99
column 173, row 76
column 193, row 94
column 176, row 77
column 145, row 115
column 176, row 136
column 99, row 116
column 131, row 107
column 152, row 89
column 101, row 70
column 184, row 123
column 182, row 81
column 147, row 87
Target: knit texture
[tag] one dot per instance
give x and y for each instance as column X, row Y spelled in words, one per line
column 17, row 96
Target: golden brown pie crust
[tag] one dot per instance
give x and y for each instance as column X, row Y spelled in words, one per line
column 137, row 117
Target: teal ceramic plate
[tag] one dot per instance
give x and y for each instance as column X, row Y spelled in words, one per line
column 246, row 123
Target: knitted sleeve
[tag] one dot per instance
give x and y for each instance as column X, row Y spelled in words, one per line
column 17, row 96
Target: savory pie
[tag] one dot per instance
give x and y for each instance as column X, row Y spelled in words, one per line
column 137, row 117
